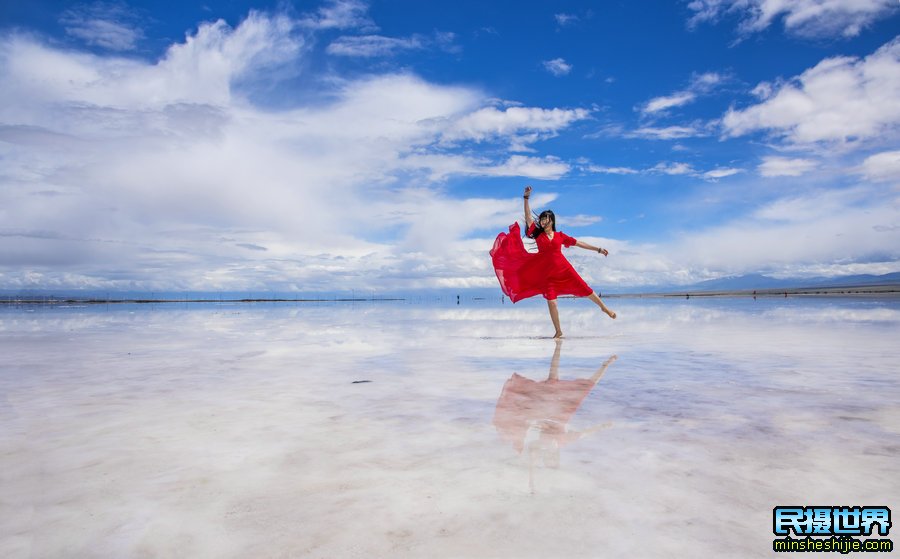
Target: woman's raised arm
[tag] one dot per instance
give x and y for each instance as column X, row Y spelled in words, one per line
column 528, row 219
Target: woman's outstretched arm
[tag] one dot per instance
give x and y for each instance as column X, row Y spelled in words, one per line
column 528, row 219
column 584, row 245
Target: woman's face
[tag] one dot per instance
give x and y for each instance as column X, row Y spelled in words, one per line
column 545, row 221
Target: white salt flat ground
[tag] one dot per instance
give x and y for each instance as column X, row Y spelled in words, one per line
column 237, row 430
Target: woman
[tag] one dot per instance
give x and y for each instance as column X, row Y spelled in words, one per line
column 523, row 274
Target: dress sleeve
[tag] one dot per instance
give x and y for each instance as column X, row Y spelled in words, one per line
column 530, row 229
column 567, row 241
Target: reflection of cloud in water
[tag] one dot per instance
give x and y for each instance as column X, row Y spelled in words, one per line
column 237, row 431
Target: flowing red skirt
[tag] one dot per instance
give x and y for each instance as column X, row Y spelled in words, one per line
column 524, row 274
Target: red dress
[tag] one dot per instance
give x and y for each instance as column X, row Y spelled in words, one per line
column 524, row 274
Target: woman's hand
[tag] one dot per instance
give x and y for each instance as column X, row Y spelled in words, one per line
column 527, row 192
column 603, row 251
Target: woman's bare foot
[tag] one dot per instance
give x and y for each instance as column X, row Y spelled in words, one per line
column 607, row 310
column 596, row 298
column 558, row 335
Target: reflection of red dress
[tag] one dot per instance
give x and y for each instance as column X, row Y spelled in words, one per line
column 524, row 401
column 524, row 274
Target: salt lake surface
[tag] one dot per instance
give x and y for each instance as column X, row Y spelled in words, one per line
column 244, row 430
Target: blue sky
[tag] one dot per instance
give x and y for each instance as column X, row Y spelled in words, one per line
column 348, row 144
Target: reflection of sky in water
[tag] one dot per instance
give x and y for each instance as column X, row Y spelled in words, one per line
column 237, row 430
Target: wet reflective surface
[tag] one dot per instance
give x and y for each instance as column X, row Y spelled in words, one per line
column 246, row 430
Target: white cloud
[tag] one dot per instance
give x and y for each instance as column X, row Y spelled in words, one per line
column 340, row 14
column 810, row 18
column 774, row 166
column 609, row 130
column 557, row 67
column 440, row 166
column 799, row 232
column 522, row 166
column 611, row 170
column 809, row 235
column 565, row 19
column 662, row 103
column 110, row 26
column 121, row 173
column 705, row 81
column 581, row 220
column 372, row 45
column 701, row 84
column 665, row 133
column 806, row 208
column 674, row 169
column 842, row 99
column 200, row 70
column 720, row 173
column 446, row 41
column 491, row 123
column 884, row 166
column 667, row 168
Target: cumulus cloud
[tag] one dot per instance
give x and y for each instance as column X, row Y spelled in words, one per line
column 796, row 235
column 545, row 168
column 881, row 167
column 492, row 123
column 774, row 166
column 439, row 167
column 110, row 26
column 124, row 173
column 557, row 66
column 200, row 70
column 810, row 18
column 795, row 232
column 840, row 100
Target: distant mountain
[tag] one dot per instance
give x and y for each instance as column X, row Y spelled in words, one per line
column 749, row 281
column 759, row 281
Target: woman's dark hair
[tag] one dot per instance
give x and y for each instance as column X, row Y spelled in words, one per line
column 537, row 223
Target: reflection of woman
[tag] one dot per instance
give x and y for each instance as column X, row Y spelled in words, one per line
column 523, row 274
column 534, row 416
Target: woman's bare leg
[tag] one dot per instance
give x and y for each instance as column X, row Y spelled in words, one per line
column 554, row 316
column 595, row 298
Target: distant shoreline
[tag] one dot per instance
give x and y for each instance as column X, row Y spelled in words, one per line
column 890, row 290
column 49, row 300
column 842, row 291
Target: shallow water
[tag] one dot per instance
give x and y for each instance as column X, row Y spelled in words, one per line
column 244, row 430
